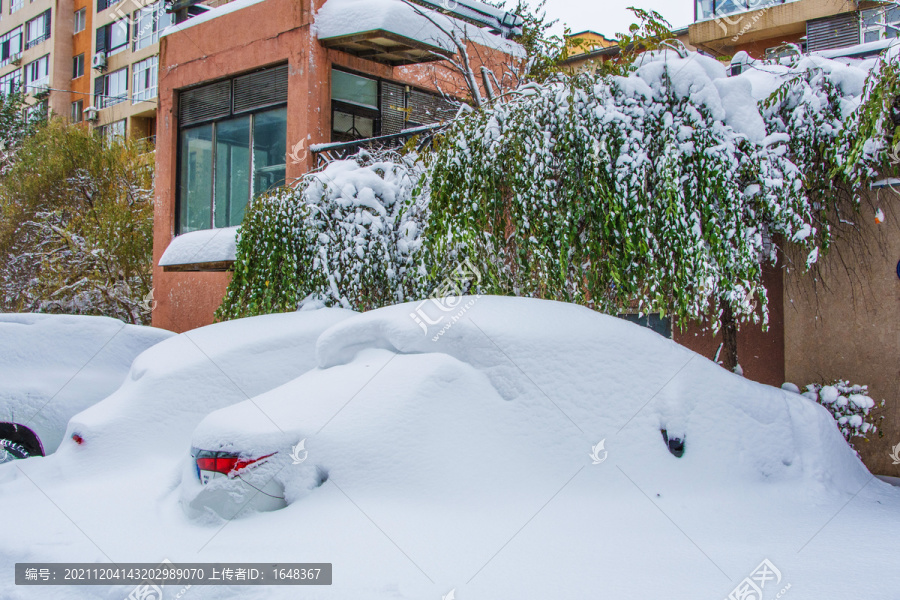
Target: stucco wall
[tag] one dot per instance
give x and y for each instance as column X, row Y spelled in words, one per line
column 845, row 322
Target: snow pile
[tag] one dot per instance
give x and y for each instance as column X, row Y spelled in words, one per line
column 206, row 246
column 54, row 366
column 471, row 464
column 338, row 18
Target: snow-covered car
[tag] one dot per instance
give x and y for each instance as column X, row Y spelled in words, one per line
column 173, row 385
column 512, row 392
column 53, row 367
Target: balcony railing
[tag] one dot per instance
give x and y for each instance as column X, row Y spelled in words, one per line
column 326, row 153
column 34, row 42
column 713, row 9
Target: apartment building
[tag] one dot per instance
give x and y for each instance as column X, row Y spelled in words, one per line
column 763, row 27
column 36, row 49
column 85, row 60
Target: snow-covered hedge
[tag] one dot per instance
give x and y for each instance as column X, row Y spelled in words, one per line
column 850, row 406
column 345, row 236
column 663, row 188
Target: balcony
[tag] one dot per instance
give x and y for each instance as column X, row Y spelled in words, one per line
column 712, row 9
column 723, row 27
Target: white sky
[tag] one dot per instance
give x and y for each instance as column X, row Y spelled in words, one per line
column 609, row 17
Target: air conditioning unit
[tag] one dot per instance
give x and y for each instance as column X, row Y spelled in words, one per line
column 15, row 59
column 91, row 114
column 40, row 90
column 99, row 61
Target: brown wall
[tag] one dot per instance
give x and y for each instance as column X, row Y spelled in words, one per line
column 760, row 353
column 844, row 322
column 83, row 43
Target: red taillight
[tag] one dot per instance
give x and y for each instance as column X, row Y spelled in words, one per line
column 226, row 464
column 77, row 439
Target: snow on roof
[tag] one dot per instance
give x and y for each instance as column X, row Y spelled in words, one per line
column 210, row 15
column 338, row 18
column 196, row 247
column 857, row 50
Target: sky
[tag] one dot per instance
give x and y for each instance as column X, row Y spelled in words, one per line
column 609, row 17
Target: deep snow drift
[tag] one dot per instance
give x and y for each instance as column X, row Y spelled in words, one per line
column 473, row 463
column 55, row 366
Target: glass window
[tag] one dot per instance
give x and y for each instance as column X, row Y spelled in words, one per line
column 10, row 46
column 354, row 89
column 16, row 5
column 118, row 35
column 114, row 88
column 77, row 66
column 144, row 80
column 148, row 23
column 80, row 20
column 232, row 171
column 37, row 73
column 196, row 178
column 77, row 111
column 37, row 30
column 269, row 149
column 11, row 82
column 113, row 131
column 881, row 23
column 346, row 127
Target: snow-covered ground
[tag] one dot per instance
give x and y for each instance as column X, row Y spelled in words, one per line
column 518, row 455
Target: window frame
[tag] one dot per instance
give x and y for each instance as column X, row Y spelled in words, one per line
column 78, row 66
column 150, row 72
column 360, row 110
column 6, row 43
column 16, row 5
column 43, row 22
column 80, row 19
column 12, row 75
column 157, row 13
column 77, row 111
column 43, row 79
column 106, row 98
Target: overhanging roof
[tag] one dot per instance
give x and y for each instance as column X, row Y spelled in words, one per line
column 386, row 47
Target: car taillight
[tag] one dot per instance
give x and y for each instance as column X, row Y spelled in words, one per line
column 223, row 462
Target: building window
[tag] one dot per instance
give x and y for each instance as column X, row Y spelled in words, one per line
column 104, row 4
column 144, row 79
column 354, row 107
column 37, row 75
column 113, row 38
column 232, row 147
column 111, row 89
column 148, row 23
column 711, row 9
column 11, row 82
column 16, row 5
column 80, row 20
column 654, row 321
column 37, row 111
column 78, row 111
column 37, row 30
column 113, row 131
column 77, row 66
column 10, row 46
column 880, row 24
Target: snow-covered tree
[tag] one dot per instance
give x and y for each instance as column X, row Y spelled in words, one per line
column 76, row 222
column 349, row 235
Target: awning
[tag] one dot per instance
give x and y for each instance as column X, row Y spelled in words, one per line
column 206, row 250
